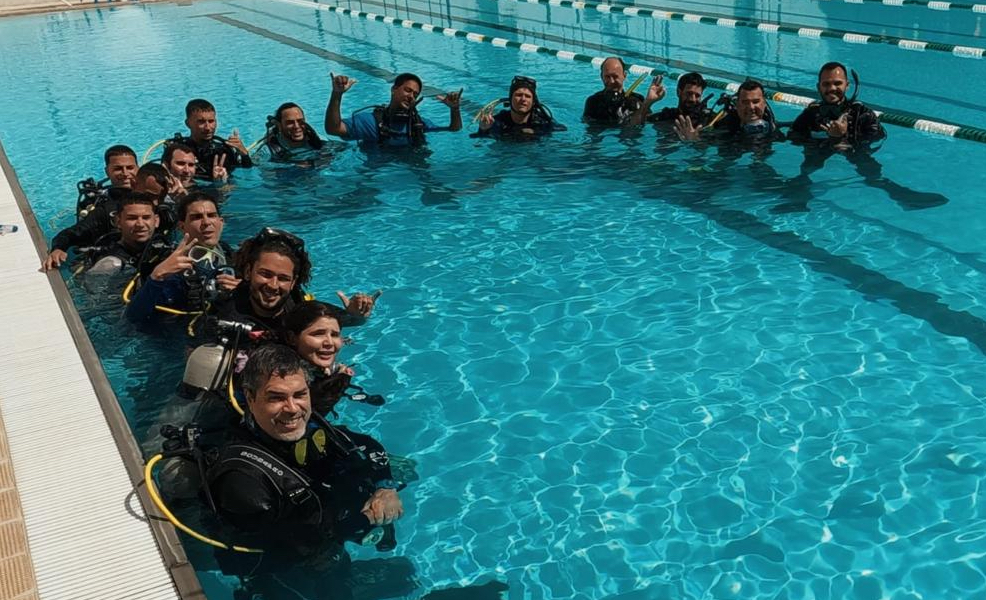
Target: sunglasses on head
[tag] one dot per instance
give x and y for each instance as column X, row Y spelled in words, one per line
column 521, row 81
column 271, row 234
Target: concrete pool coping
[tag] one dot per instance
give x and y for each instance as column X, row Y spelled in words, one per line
column 72, row 500
column 47, row 6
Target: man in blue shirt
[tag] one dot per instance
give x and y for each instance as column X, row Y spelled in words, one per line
column 394, row 124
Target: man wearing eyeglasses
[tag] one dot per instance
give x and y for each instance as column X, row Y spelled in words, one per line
column 395, row 124
column 196, row 273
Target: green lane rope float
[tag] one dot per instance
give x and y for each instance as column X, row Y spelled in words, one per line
column 805, row 32
column 901, row 120
column 979, row 8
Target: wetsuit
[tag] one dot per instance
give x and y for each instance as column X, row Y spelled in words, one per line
column 99, row 222
column 206, row 152
column 181, row 291
column 863, row 125
column 280, row 151
column 611, row 108
column 539, row 123
column 669, row 114
column 296, row 500
column 109, row 255
column 863, row 136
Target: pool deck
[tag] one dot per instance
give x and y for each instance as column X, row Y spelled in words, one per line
column 72, row 505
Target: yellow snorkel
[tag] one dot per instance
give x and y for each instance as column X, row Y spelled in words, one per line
column 153, row 147
column 636, row 84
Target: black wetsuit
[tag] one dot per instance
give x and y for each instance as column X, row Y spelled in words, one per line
column 206, row 152
column 143, row 258
column 99, row 222
column 669, row 114
column 295, row 508
column 863, row 136
column 611, row 108
column 281, row 153
column 539, row 123
column 863, row 125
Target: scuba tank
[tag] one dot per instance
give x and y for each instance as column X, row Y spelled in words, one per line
column 210, row 366
column 91, row 194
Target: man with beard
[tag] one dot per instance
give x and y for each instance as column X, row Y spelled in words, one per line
column 274, row 266
column 395, row 124
column 289, row 137
column 690, row 88
column 837, row 125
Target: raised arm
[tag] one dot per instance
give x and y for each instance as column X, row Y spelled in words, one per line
column 333, row 112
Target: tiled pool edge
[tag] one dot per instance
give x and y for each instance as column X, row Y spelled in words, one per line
column 67, row 375
column 17, row 581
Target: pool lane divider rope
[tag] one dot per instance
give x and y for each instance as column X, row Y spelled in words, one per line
column 805, row 32
column 933, row 5
column 901, row 120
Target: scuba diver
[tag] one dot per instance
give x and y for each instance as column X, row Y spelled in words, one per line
column 180, row 162
column 289, row 137
column 395, row 124
column 690, row 88
column 840, row 125
column 612, row 105
column 216, row 157
column 120, row 168
column 134, row 244
column 274, row 266
column 197, row 273
column 314, row 330
column 525, row 118
column 289, row 487
column 291, row 483
column 99, row 220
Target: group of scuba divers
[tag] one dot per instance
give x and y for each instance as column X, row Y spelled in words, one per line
column 256, row 438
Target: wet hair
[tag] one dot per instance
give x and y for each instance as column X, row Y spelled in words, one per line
column 137, row 198
column 268, row 361
column 193, row 197
column 251, row 248
column 830, row 66
column 198, row 105
column 602, row 65
column 155, row 170
column 305, row 313
column 118, row 150
column 170, row 149
column 750, row 85
column 405, row 77
column 284, row 107
column 692, row 78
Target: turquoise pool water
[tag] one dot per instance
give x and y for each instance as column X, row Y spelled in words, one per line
column 622, row 372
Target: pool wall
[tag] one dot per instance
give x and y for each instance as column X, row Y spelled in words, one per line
column 82, row 498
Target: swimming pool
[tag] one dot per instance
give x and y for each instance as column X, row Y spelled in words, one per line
column 622, row 372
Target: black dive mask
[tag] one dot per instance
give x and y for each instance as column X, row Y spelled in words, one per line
column 759, row 127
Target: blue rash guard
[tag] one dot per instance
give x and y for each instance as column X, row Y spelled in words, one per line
column 362, row 126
